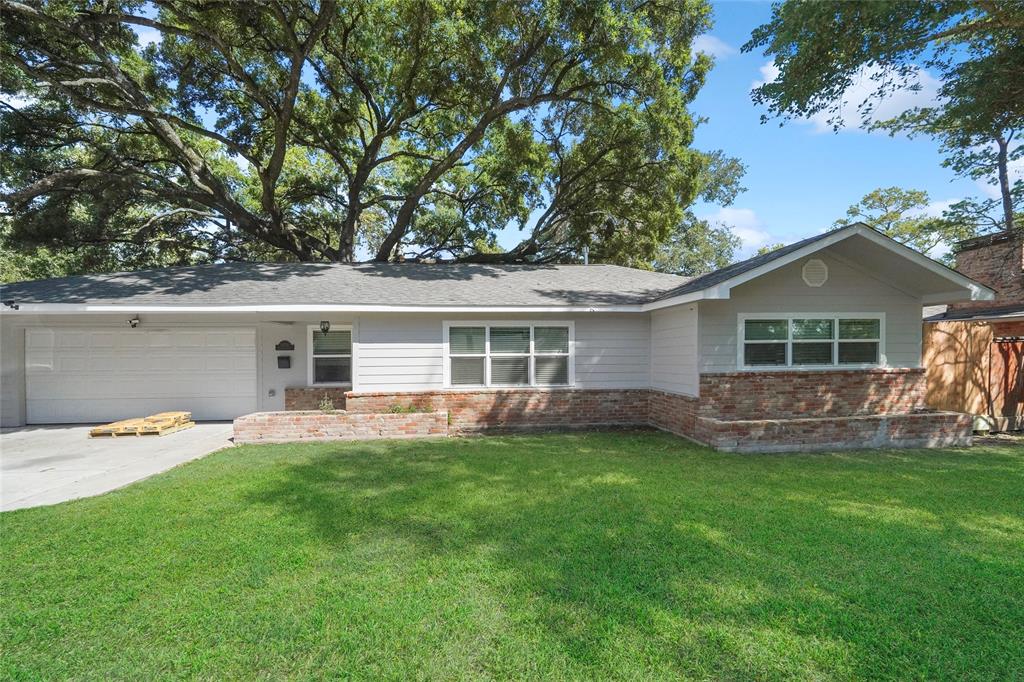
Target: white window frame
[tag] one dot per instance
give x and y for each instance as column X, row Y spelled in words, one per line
column 310, row 376
column 789, row 317
column 488, row 324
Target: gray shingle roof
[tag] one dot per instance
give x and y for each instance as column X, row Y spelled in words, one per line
column 239, row 284
column 391, row 284
column 730, row 271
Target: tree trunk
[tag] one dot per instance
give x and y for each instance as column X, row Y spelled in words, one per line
column 1004, row 182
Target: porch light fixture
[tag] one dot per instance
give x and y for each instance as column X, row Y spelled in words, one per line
column 325, row 326
column 134, row 322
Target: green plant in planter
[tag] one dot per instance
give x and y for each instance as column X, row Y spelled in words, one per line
column 407, row 409
column 326, row 404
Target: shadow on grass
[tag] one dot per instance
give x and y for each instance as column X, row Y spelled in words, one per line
column 645, row 546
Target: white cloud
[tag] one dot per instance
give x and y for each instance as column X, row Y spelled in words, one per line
column 769, row 72
column 147, row 35
column 745, row 224
column 934, row 209
column 716, row 47
column 864, row 85
column 1015, row 169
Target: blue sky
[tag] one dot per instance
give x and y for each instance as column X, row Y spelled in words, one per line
column 802, row 176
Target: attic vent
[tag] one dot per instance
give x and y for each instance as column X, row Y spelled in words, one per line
column 815, row 272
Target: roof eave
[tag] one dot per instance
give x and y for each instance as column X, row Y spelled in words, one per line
column 966, row 289
column 128, row 308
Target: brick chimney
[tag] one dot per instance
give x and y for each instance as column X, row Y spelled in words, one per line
column 997, row 261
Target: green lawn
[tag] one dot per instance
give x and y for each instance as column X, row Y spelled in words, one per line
column 615, row 555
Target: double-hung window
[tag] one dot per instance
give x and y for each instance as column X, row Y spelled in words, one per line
column 330, row 356
column 508, row 354
column 805, row 340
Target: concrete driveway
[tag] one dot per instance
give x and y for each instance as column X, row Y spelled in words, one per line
column 48, row 464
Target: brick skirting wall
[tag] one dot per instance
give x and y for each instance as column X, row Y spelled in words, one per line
column 283, row 427
column 738, row 411
column 674, row 413
column 303, row 398
column 799, row 395
column 500, row 409
column 917, row 430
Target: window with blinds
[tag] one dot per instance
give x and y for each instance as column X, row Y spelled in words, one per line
column 330, row 359
column 509, row 355
column 801, row 340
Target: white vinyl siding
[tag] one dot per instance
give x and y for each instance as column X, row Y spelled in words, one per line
column 674, row 350
column 405, row 352
column 848, row 290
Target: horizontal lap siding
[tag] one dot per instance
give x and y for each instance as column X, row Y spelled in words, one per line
column 613, row 351
column 405, row 353
column 784, row 291
column 399, row 353
column 674, row 350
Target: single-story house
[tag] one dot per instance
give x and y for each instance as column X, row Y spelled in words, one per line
column 974, row 350
column 817, row 344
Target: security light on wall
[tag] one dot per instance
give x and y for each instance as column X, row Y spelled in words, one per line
column 134, row 322
column 325, row 326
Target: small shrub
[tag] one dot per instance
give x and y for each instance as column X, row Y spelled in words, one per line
column 407, row 409
column 326, row 404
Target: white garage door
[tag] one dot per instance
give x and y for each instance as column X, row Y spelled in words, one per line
column 99, row 375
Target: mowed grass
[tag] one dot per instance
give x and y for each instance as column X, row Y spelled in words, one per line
column 607, row 555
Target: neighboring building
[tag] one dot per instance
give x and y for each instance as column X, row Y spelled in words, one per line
column 817, row 344
column 973, row 350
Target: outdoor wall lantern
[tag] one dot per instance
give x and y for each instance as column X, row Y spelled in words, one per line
column 325, row 326
column 134, row 322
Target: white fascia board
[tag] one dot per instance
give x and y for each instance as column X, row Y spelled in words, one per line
column 85, row 308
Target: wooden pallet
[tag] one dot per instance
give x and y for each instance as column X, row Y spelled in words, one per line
column 155, row 425
column 177, row 417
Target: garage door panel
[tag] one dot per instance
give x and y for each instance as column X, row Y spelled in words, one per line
column 103, row 375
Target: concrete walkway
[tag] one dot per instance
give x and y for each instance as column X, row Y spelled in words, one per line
column 42, row 465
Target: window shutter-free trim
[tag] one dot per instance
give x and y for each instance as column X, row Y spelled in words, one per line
column 514, row 354
column 810, row 340
column 329, row 356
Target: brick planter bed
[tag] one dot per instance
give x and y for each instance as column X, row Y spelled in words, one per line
column 285, row 427
column 510, row 409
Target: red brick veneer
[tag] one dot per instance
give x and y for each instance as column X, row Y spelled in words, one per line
column 281, row 427
column 916, row 430
column 799, row 395
column 308, row 398
column 486, row 409
column 674, row 412
column 997, row 261
column 741, row 411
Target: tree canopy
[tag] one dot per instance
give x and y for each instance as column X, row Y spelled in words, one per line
column 308, row 130
column 976, row 46
column 903, row 215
